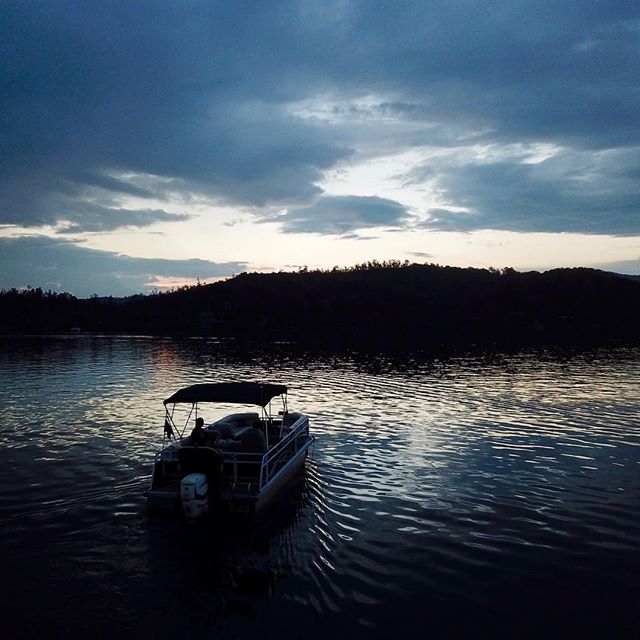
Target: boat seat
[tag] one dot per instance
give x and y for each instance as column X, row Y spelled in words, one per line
column 236, row 420
column 289, row 419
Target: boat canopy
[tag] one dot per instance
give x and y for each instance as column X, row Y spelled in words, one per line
column 233, row 392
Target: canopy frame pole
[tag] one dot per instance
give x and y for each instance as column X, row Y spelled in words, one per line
column 284, row 412
column 187, row 420
column 173, row 410
column 266, row 423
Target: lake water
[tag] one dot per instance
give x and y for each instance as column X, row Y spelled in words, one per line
column 459, row 497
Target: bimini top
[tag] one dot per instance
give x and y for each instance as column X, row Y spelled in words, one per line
column 235, row 392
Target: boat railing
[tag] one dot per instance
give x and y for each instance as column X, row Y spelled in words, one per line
column 271, row 462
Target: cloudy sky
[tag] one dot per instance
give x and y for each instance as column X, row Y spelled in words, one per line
column 148, row 144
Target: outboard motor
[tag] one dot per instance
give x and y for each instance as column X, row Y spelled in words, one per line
column 194, row 495
column 202, row 470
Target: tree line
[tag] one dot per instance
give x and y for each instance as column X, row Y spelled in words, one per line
column 375, row 303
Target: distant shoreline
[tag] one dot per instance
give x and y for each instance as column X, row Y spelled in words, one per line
column 378, row 306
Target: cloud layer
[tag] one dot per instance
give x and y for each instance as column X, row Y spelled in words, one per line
column 596, row 193
column 55, row 264
column 250, row 104
column 341, row 215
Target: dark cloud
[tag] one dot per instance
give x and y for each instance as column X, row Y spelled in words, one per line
column 90, row 217
column 62, row 265
column 92, row 92
column 170, row 99
column 341, row 215
column 563, row 72
column 92, row 207
column 576, row 192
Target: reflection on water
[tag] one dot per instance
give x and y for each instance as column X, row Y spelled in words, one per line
column 455, row 497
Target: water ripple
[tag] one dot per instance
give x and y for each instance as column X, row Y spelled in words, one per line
column 495, row 487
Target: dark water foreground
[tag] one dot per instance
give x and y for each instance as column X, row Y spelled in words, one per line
column 491, row 496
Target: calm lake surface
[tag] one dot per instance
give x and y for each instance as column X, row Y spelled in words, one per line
column 485, row 496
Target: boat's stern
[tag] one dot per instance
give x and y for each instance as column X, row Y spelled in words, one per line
column 164, row 492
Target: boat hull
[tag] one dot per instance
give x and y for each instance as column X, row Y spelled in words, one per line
column 236, row 499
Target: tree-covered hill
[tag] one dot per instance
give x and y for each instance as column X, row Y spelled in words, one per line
column 381, row 304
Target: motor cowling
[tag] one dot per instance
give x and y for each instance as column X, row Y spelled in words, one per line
column 194, row 495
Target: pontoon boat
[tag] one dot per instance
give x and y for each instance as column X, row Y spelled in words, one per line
column 242, row 459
